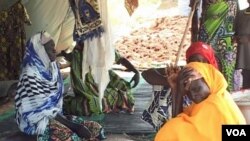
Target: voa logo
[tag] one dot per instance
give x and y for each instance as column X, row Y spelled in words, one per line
column 236, row 132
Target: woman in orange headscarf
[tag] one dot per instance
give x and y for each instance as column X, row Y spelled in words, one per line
column 212, row 106
column 160, row 110
column 197, row 52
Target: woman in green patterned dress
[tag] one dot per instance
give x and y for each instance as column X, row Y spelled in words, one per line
column 117, row 96
column 216, row 28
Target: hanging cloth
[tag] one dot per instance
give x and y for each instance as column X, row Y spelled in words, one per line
column 98, row 52
column 88, row 22
column 12, row 40
column 131, row 5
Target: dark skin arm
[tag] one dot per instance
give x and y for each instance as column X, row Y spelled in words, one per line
column 67, row 56
column 155, row 76
column 130, row 67
column 161, row 76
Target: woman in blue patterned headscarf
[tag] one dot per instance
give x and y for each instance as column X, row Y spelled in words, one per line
column 39, row 96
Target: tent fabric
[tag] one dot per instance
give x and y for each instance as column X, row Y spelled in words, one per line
column 53, row 16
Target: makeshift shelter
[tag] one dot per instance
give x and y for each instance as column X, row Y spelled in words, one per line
column 54, row 16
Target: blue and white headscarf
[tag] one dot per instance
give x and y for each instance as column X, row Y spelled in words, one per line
column 39, row 92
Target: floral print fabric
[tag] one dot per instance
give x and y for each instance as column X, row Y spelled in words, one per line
column 58, row 132
column 217, row 29
column 12, row 40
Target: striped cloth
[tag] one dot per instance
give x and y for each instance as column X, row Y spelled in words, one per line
column 39, row 90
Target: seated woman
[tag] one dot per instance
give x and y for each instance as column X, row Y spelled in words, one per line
column 39, row 97
column 160, row 109
column 117, row 95
column 212, row 106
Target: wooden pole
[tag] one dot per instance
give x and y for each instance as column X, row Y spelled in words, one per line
column 185, row 32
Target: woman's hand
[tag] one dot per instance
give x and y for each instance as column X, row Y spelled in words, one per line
column 183, row 78
column 172, row 73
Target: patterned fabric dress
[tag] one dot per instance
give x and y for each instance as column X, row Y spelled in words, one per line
column 39, row 90
column 160, row 110
column 55, row 131
column 12, row 40
column 217, row 29
column 117, row 95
